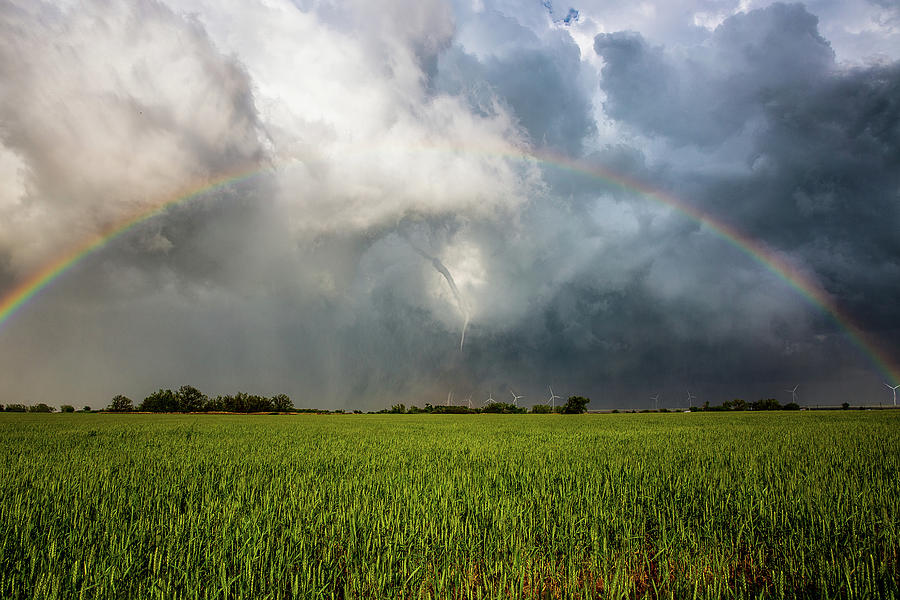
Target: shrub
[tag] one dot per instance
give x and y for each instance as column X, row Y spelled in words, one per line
column 67, row 408
column 453, row 409
column 502, row 407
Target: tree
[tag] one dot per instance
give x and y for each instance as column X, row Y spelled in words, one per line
column 541, row 409
column 120, row 403
column 160, row 401
column 226, row 403
column 845, row 405
column 215, row 404
column 67, row 408
column 397, row 409
column 249, row 403
column 231, row 403
column 40, row 407
column 258, row 404
column 16, row 408
column 767, row 404
column 189, row 399
column 86, row 409
column 240, row 402
column 282, row 403
column 576, row 405
column 791, row 406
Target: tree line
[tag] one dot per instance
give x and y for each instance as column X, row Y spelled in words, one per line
column 738, row 404
column 188, row 399
column 35, row 408
column 729, row 405
column 575, row 405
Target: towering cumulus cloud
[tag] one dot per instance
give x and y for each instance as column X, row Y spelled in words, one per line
column 418, row 197
column 106, row 108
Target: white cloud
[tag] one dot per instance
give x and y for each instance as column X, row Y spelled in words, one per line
column 128, row 106
column 357, row 139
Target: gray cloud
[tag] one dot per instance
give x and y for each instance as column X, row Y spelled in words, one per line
column 543, row 87
column 710, row 92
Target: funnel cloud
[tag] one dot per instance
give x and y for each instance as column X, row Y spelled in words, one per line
column 443, row 270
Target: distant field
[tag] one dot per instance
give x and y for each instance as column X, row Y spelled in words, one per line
column 474, row 506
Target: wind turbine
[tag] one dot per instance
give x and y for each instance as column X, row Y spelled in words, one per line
column 490, row 398
column 449, row 397
column 553, row 398
column 515, row 398
column 691, row 397
column 893, row 388
column 793, row 393
column 656, row 400
column 469, row 400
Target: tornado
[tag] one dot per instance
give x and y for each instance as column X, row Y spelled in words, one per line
column 443, row 270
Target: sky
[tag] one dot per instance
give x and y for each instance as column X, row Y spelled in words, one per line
column 614, row 199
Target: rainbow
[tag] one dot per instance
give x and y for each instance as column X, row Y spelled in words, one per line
column 796, row 278
column 28, row 288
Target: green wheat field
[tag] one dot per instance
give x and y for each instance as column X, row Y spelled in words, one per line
column 469, row 506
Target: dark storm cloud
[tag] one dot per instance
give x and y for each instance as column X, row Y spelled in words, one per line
column 823, row 174
column 542, row 82
column 821, row 178
column 833, row 177
column 719, row 87
column 648, row 299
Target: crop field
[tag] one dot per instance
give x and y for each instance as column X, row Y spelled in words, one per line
column 748, row 505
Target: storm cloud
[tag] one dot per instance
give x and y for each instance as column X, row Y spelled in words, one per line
column 378, row 199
